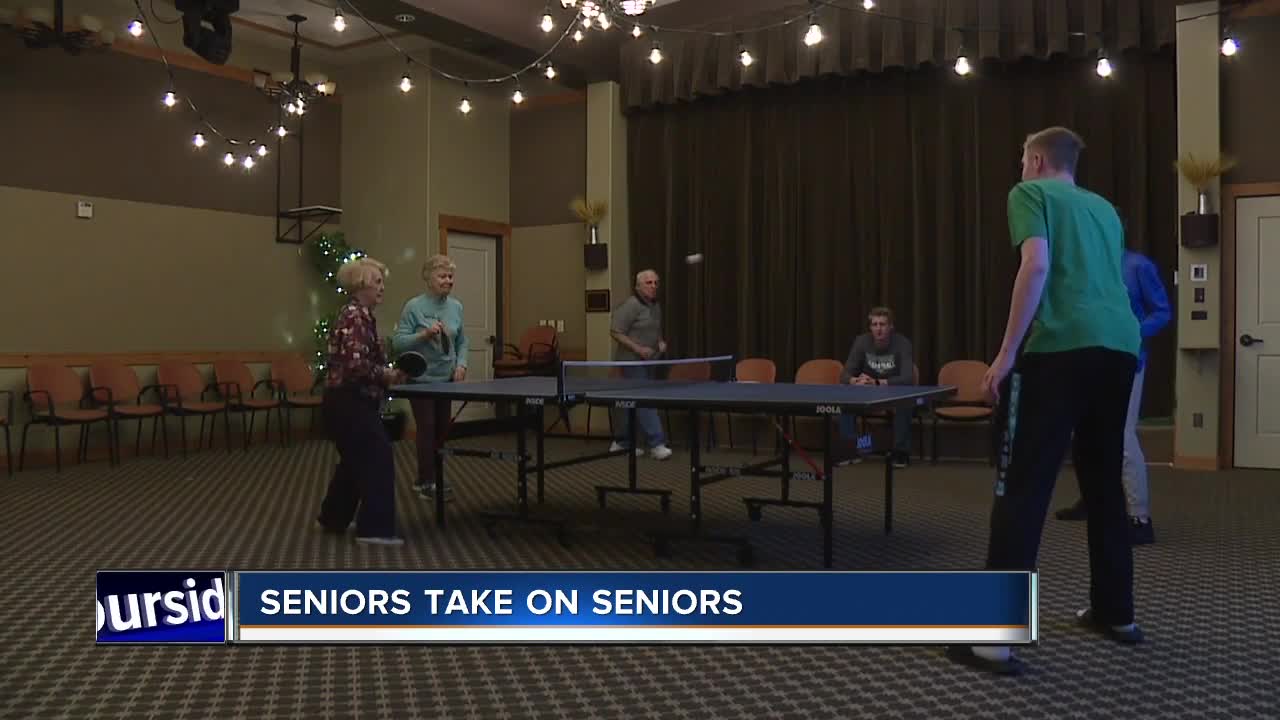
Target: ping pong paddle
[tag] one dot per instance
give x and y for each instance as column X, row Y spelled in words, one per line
column 411, row 363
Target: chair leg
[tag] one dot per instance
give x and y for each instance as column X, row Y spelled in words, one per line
column 82, row 444
column 200, row 439
column 248, row 432
column 8, row 450
column 935, row 440
column 22, row 454
column 137, row 442
column 286, row 425
column 57, row 447
column 155, row 428
column 182, row 424
column 226, row 429
column 164, row 430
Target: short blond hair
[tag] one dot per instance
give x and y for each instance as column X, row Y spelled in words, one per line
column 360, row 273
column 434, row 263
column 1061, row 147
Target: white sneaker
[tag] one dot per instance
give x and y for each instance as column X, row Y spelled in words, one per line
column 380, row 540
column 619, row 447
column 661, row 452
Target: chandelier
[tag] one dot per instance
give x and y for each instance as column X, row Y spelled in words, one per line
column 293, row 90
column 593, row 8
column 42, row 28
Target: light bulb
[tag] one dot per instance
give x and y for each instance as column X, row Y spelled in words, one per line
column 339, row 22
column 301, row 106
column 814, row 36
column 198, row 140
column 745, row 58
column 1104, row 67
column 577, row 36
column 464, row 107
column 170, row 99
column 868, row 4
column 262, row 150
column 586, row 23
column 281, row 131
column 248, row 162
column 291, row 108
column 547, row 23
column 517, row 97
column 604, row 21
column 568, row 3
column 635, row 31
column 551, row 72
column 1230, row 46
column 962, row 66
column 228, row 159
column 135, row 28
column 655, row 55
column 405, row 83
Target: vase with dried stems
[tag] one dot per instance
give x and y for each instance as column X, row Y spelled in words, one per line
column 591, row 213
column 1200, row 174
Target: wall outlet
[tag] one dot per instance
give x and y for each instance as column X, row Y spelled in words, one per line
column 84, row 209
column 1197, row 420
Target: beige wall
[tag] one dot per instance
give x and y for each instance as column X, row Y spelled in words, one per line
column 607, row 180
column 1250, row 103
column 550, row 283
column 1197, row 415
column 470, row 154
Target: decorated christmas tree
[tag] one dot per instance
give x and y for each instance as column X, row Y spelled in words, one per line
column 327, row 253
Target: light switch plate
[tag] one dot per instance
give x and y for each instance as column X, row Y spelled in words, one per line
column 1200, row 273
column 84, row 209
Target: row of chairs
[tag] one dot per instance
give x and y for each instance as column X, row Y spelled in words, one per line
column 967, row 405
column 56, row 397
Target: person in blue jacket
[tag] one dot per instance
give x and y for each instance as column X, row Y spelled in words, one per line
column 1150, row 305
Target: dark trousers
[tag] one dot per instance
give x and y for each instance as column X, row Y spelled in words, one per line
column 1044, row 401
column 431, row 415
column 365, row 476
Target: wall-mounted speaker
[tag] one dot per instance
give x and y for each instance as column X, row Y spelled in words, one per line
column 1199, row 231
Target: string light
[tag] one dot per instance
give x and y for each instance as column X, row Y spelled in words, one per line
column 604, row 21
column 262, row 149
column 406, row 83
column 170, row 99
column 229, row 159
column 136, row 27
column 548, row 23
column 814, row 35
column 577, row 36
column 1104, row 65
column 1229, row 44
column 247, row 162
column 868, row 5
column 339, row 22
column 198, row 140
column 464, row 107
column 281, row 131
column 636, row 31
column 655, row 55
column 962, row 66
column 551, row 72
column 517, row 97
column 744, row 55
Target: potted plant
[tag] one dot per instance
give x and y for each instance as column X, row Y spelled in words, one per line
column 1200, row 174
column 591, row 213
column 1200, row 228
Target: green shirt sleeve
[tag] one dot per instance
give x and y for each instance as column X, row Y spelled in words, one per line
column 1027, row 217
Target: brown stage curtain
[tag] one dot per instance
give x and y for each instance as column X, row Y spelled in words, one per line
column 904, row 34
column 814, row 202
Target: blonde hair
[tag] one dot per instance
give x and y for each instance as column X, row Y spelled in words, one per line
column 1061, row 147
column 360, row 273
column 434, row 263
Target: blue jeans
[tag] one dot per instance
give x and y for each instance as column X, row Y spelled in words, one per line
column 650, row 423
column 901, row 428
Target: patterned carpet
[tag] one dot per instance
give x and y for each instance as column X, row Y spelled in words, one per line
column 1206, row 597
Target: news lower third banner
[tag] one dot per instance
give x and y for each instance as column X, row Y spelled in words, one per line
column 885, row 608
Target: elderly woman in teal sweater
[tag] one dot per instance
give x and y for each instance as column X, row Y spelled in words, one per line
column 432, row 325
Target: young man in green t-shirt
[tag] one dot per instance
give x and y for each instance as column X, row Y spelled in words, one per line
column 1073, row 375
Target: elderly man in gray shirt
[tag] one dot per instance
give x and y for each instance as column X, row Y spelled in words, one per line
column 637, row 333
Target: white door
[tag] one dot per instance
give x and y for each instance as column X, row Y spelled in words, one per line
column 1257, row 342
column 475, row 285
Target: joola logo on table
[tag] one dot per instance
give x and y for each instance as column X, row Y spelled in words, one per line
column 827, row 410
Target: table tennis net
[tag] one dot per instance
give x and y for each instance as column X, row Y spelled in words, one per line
column 580, row 376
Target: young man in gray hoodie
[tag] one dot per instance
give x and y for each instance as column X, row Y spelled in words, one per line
column 882, row 357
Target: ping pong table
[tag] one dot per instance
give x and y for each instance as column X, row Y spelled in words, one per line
column 530, row 395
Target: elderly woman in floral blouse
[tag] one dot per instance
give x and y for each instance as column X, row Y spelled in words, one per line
column 355, row 383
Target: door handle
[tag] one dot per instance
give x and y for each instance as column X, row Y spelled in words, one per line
column 492, row 339
column 1247, row 340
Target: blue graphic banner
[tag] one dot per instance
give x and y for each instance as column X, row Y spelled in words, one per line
column 648, row 607
column 161, row 606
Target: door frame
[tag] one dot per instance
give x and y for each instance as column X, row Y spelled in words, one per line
column 501, row 232
column 1227, row 342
